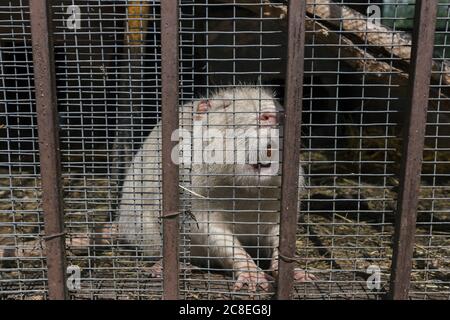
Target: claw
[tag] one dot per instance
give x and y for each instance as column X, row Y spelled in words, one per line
column 253, row 279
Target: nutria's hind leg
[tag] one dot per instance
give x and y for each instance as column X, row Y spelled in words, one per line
column 106, row 234
column 156, row 270
column 102, row 238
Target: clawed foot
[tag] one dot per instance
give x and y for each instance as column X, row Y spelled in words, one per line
column 156, row 270
column 299, row 275
column 303, row 276
column 253, row 279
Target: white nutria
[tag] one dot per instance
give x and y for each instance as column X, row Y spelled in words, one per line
column 235, row 205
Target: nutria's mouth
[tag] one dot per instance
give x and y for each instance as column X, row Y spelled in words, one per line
column 258, row 166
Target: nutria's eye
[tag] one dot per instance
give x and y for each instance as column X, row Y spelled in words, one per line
column 268, row 118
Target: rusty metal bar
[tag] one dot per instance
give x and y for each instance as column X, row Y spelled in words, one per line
column 413, row 144
column 47, row 121
column 170, row 194
column 291, row 151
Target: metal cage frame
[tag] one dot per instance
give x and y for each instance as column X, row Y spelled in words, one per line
column 413, row 144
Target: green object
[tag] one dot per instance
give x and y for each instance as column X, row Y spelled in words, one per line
column 399, row 14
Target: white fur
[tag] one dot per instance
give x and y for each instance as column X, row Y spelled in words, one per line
column 236, row 193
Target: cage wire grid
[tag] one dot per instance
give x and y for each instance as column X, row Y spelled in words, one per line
column 21, row 218
column 109, row 100
column 431, row 263
column 109, row 115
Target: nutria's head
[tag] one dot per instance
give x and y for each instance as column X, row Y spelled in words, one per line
column 240, row 130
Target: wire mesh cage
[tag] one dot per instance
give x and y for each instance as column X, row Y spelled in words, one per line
column 234, row 83
column 431, row 263
column 21, row 215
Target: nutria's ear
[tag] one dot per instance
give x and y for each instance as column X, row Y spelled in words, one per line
column 203, row 106
column 200, row 109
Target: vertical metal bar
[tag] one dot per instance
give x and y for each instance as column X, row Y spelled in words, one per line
column 291, row 151
column 47, row 121
column 170, row 194
column 413, row 144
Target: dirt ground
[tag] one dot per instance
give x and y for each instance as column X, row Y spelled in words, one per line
column 346, row 227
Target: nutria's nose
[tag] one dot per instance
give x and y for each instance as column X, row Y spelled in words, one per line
column 268, row 118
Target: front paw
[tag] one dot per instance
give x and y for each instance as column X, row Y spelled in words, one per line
column 253, row 279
